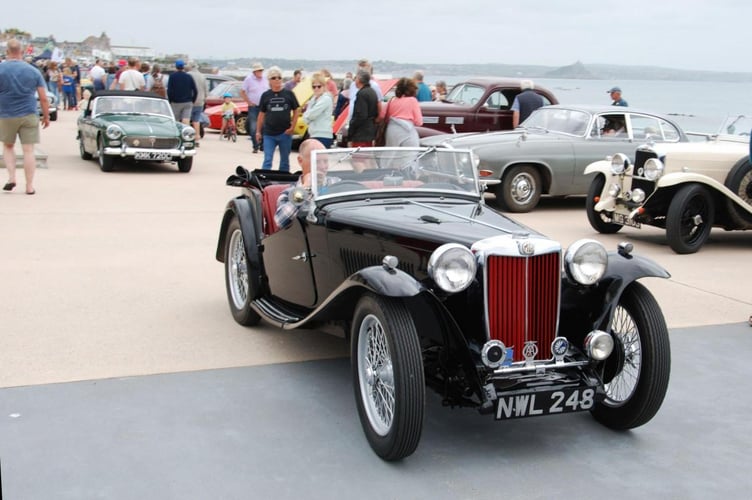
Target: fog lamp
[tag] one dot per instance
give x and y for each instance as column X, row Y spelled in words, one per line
column 599, row 345
column 614, row 190
column 638, row 195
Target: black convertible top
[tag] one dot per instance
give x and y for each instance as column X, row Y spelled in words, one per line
column 126, row 93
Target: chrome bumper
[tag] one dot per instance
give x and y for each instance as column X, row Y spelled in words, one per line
column 128, row 151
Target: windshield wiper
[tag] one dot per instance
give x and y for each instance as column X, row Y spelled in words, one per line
column 348, row 155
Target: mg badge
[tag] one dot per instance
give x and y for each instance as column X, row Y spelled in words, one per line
column 526, row 247
column 559, row 348
column 136, row 143
column 529, row 352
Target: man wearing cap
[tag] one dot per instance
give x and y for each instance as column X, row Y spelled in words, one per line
column 616, row 97
column 181, row 92
column 254, row 85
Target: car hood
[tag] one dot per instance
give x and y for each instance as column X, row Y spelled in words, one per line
column 440, row 221
column 145, row 125
column 480, row 139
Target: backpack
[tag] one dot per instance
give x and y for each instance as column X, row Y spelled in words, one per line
column 158, row 87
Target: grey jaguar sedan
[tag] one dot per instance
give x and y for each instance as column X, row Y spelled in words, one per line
column 547, row 154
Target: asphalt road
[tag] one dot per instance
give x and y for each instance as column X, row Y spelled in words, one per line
column 123, row 375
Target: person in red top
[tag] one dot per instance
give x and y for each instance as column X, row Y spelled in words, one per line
column 403, row 114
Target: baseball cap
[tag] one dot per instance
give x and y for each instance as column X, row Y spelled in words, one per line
column 179, row 64
column 122, row 62
column 614, row 89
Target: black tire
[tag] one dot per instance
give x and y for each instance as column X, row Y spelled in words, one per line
column 106, row 163
column 84, row 154
column 595, row 218
column 739, row 181
column 637, row 372
column 387, row 368
column 520, row 189
column 185, row 164
column 689, row 219
column 241, row 124
column 237, row 282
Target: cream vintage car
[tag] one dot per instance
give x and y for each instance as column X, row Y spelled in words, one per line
column 686, row 188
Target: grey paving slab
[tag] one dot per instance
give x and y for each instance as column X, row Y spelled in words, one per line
column 292, row 431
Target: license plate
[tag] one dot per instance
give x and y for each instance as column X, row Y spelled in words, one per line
column 544, row 403
column 624, row 220
column 151, row 155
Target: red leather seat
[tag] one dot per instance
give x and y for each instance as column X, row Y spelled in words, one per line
column 269, row 205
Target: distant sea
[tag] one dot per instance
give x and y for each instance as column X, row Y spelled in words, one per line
column 696, row 106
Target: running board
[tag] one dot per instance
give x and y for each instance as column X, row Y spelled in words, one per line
column 274, row 312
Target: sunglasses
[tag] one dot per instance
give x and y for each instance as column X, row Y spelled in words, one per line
column 316, row 86
column 275, row 78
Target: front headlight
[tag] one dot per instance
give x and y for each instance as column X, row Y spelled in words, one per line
column 114, row 132
column 188, row 134
column 586, row 261
column 652, row 169
column 619, row 163
column 452, row 267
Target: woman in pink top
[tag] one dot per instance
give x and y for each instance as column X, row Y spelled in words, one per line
column 403, row 115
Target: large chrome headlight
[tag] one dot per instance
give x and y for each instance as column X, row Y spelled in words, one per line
column 452, row 267
column 114, row 132
column 652, row 169
column 586, row 261
column 619, row 163
column 188, row 134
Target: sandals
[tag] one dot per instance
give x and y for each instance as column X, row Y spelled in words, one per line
column 9, row 186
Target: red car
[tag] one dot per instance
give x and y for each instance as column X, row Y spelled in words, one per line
column 216, row 96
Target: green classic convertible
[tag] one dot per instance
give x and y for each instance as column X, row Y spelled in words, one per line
column 138, row 126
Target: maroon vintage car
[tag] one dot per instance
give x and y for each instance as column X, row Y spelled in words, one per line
column 476, row 105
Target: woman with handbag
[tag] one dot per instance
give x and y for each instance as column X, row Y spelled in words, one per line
column 402, row 115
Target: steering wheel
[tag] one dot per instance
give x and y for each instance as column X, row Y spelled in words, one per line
column 343, row 186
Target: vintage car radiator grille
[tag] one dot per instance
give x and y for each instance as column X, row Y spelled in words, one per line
column 523, row 301
column 641, row 156
column 153, row 142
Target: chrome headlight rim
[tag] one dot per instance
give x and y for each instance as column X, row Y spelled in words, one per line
column 114, row 132
column 653, row 169
column 452, row 267
column 188, row 134
column 586, row 261
column 619, row 163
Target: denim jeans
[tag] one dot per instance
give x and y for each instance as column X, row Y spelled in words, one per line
column 284, row 141
column 250, row 124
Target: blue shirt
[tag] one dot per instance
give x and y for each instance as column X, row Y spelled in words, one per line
column 424, row 93
column 19, row 81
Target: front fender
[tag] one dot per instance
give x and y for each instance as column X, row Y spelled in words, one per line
column 600, row 166
column 591, row 308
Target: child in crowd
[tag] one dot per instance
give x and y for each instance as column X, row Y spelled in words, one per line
column 229, row 110
column 69, row 89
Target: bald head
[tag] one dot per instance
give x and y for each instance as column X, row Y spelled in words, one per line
column 305, row 151
column 13, row 48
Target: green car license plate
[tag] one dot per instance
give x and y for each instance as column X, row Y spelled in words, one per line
column 544, row 403
column 624, row 220
column 151, row 155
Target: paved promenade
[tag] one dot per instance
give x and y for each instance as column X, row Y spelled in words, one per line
column 123, row 375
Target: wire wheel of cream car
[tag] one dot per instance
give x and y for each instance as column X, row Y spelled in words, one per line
column 637, row 372
column 598, row 220
column 387, row 376
column 739, row 181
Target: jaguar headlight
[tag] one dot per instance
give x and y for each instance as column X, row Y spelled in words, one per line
column 188, row 134
column 652, row 169
column 114, row 132
column 452, row 267
column 619, row 163
column 586, row 261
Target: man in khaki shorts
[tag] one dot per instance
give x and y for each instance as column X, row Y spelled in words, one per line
column 19, row 81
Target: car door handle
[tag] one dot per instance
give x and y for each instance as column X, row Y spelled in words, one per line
column 303, row 256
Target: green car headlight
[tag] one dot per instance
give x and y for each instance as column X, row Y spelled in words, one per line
column 452, row 267
column 114, row 132
column 586, row 261
column 188, row 134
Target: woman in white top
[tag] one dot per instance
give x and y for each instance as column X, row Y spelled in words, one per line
column 318, row 113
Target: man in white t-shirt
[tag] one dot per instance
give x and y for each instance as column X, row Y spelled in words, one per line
column 131, row 78
column 97, row 75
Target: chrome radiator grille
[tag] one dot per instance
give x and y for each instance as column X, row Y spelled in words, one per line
column 153, row 142
column 523, row 300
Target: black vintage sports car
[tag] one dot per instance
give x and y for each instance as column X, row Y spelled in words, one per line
column 433, row 288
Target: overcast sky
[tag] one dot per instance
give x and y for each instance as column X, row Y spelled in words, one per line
column 690, row 34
